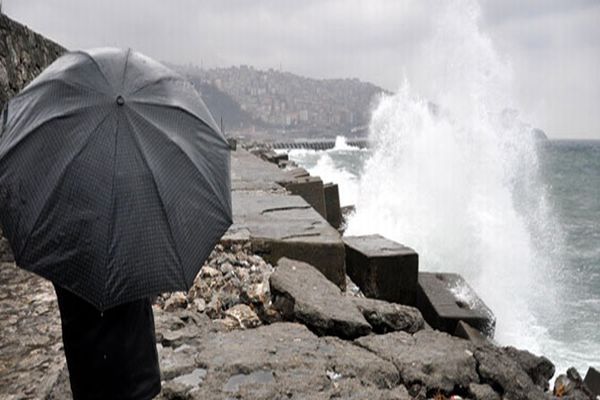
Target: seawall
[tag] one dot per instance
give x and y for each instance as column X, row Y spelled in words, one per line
column 23, row 55
column 315, row 144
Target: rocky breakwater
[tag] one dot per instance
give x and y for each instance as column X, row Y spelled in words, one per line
column 306, row 337
column 253, row 327
column 260, row 325
column 287, row 332
column 319, row 342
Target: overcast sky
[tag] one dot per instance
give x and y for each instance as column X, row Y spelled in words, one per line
column 552, row 46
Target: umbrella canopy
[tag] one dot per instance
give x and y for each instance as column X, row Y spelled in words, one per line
column 114, row 177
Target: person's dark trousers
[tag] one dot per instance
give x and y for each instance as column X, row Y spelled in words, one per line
column 110, row 354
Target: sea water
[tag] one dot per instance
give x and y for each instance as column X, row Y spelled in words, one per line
column 460, row 177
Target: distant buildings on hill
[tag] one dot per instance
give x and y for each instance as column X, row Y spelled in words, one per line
column 276, row 102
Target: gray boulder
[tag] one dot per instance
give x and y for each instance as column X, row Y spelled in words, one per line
column 286, row 360
column 502, row 372
column 302, row 293
column 387, row 317
column 539, row 369
column 431, row 358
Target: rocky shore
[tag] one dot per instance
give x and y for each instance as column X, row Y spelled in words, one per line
column 256, row 329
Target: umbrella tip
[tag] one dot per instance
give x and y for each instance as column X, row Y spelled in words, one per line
column 120, row 100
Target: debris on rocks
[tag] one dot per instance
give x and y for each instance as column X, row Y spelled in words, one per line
column 175, row 301
column 243, row 315
column 231, row 276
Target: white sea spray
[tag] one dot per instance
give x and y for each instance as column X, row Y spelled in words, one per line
column 455, row 175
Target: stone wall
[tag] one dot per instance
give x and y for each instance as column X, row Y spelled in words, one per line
column 23, row 55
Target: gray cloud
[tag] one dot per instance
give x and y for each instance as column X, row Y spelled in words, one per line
column 553, row 45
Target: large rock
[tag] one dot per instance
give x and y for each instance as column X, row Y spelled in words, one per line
column 539, row 369
column 286, row 226
column 434, row 359
column 383, row 269
column 278, row 361
column 505, row 374
column 287, row 361
column 389, row 317
column 302, row 293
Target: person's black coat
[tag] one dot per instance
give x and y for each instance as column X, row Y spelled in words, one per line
column 110, row 355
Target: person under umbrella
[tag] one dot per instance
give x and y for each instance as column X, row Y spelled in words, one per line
column 114, row 185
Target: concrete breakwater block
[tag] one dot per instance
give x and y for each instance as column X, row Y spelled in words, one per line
column 310, row 188
column 444, row 299
column 592, row 381
column 274, row 157
column 284, row 164
column 281, row 225
column 250, row 173
column 382, row 268
column 466, row 331
column 298, row 172
column 332, row 204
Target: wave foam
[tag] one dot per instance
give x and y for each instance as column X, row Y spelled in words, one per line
column 457, row 179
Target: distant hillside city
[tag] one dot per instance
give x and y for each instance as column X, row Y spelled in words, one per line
column 253, row 102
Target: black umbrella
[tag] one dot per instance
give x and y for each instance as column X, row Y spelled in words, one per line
column 114, row 177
